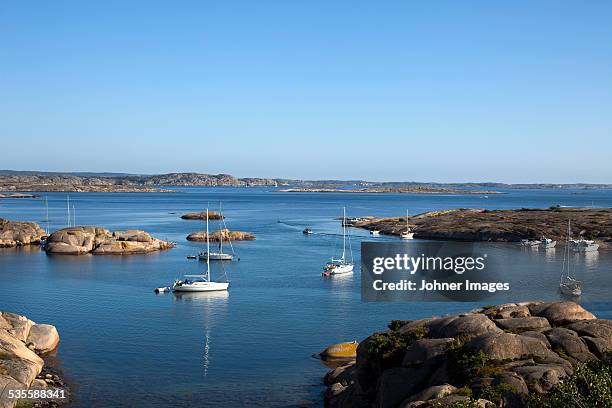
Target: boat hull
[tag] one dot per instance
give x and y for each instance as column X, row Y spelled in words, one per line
column 201, row 287
column 216, row 256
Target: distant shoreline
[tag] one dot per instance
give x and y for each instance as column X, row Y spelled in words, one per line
column 391, row 190
column 12, row 181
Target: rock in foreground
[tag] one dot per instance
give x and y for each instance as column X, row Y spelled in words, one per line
column 212, row 215
column 17, row 233
column 507, row 355
column 100, row 241
column 20, row 341
column 224, row 234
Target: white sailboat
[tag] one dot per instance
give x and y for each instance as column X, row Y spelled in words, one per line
column 569, row 285
column 200, row 283
column 408, row 234
column 340, row 266
column 219, row 255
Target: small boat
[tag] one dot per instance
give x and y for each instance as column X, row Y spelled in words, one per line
column 162, row 289
column 568, row 285
column 215, row 256
column 200, row 283
column 408, row 234
column 340, row 266
column 307, row 231
column 375, row 232
column 530, row 242
column 547, row 243
column 583, row 245
column 340, row 351
column 192, row 257
column 219, row 255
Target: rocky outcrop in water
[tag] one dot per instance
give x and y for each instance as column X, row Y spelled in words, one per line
column 224, row 234
column 507, row 355
column 17, row 195
column 18, row 233
column 22, row 341
column 212, row 215
column 501, row 225
column 100, row 241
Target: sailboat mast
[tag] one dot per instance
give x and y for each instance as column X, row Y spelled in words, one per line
column 343, row 232
column 47, row 214
column 220, row 233
column 68, row 208
column 207, row 250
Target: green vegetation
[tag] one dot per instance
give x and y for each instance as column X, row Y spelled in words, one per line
column 390, row 347
column 396, row 324
column 494, row 393
column 466, row 365
column 589, row 386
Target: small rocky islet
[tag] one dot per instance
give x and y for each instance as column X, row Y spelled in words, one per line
column 478, row 224
column 224, row 234
column 19, row 233
column 201, row 216
column 531, row 354
column 23, row 346
column 100, row 241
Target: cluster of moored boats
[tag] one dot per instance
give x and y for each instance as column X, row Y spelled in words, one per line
column 568, row 284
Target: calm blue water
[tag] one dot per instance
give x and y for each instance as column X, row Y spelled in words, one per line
column 125, row 346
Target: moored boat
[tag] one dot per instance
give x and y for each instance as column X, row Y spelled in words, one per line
column 200, row 283
column 340, row 266
column 408, row 234
column 547, row 243
column 583, row 245
column 569, row 285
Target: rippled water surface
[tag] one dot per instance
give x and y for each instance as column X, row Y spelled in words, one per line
column 125, row 346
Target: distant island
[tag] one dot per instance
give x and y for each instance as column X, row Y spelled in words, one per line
column 12, row 181
column 408, row 189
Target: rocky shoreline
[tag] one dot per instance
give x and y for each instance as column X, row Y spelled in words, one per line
column 500, row 225
column 23, row 346
column 512, row 355
column 19, row 233
column 100, row 241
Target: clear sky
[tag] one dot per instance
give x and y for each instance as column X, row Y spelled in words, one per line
column 515, row 91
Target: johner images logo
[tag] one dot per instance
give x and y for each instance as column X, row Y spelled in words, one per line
column 430, row 271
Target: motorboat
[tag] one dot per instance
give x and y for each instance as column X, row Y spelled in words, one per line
column 583, row 245
column 307, row 231
column 547, row 243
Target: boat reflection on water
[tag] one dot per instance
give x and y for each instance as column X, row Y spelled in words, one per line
column 213, row 307
column 591, row 259
column 549, row 254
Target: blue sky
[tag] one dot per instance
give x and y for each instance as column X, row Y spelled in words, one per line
column 515, row 91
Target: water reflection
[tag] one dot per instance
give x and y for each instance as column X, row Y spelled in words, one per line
column 590, row 259
column 213, row 302
column 549, row 254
